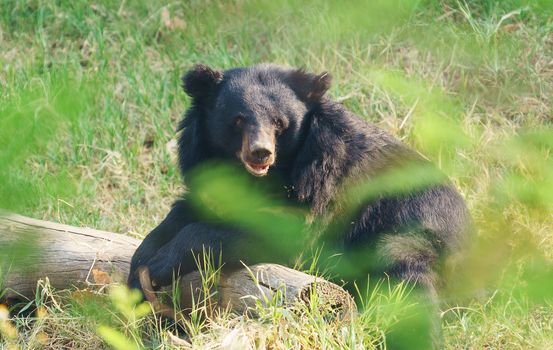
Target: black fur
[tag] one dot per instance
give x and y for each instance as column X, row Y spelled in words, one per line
column 320, row 151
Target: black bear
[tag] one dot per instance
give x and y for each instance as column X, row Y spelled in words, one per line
column 274, row 119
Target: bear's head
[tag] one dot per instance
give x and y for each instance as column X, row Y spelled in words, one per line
column 255, row 115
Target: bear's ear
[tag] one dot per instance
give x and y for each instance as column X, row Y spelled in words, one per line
column 309, row 87
column 201, row 81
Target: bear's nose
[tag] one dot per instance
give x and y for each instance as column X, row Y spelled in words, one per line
column 261, row 155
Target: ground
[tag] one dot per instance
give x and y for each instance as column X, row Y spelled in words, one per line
column 90, row 98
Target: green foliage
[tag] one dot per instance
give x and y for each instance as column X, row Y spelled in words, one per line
column 219, row 185
column 31, row 117
column 116, row 339
column 131, row 309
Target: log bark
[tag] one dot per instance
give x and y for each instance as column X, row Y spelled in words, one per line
column 86, row 258
column 69, row 256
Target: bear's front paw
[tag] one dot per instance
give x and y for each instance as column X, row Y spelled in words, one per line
column 163, row 269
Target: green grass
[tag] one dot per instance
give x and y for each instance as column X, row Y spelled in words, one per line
column 90, row 98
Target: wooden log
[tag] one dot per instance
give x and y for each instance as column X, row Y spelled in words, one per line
column 67, row 255
column 81, row 257
column 244, row 289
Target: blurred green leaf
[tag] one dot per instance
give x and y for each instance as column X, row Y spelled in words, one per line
column 129, row 302
column 275, row 222
column 116, row 339
column 31, row 119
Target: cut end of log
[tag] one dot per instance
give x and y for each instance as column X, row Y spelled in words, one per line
column 330, row 297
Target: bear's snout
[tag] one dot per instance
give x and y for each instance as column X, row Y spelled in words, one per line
column 258, row 152
column 261, row 155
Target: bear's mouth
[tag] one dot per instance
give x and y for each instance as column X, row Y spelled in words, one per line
column 257, row 169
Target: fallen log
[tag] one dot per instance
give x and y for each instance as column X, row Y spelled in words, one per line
column 86, row 258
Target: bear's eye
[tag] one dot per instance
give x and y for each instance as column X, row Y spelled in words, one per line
column 280, row 124
column 238, row 121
